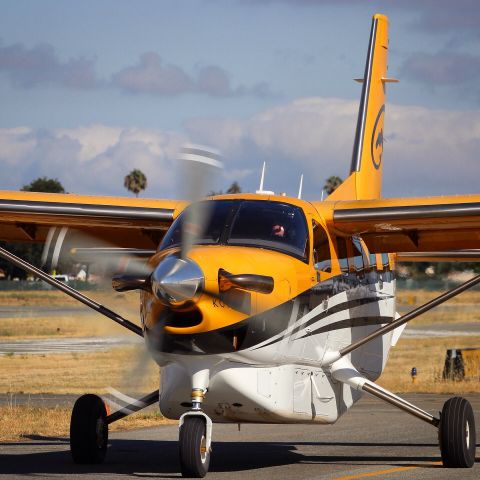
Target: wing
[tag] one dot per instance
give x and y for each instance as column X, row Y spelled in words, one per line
column 125, row 222
column 424, row 224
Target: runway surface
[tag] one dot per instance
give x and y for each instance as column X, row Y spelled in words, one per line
column 374, row 440
column 65, row 345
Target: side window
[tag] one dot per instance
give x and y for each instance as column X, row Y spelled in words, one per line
column 385, row 261
column 342, row 254
column 357, row 264
column 321, row 249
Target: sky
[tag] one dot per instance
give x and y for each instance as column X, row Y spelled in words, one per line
column 91, row 90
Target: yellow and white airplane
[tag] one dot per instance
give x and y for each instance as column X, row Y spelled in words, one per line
column 264, row 308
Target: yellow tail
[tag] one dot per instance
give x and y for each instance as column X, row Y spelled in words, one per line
column 365, row 180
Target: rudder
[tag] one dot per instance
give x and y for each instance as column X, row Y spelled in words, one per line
column 365, row 180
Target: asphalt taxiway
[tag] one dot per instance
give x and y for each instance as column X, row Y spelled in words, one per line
column 373, row 440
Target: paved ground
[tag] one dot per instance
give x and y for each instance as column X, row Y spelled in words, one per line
column 374, row 440
column 442, row 330
column 65, row 345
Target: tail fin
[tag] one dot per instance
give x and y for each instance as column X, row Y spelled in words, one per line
column 365, row 180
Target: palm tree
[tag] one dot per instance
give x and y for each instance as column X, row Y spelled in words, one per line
column 135, row 181
column 332, row 183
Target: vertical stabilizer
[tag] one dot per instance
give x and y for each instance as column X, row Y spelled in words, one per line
column 365, row 180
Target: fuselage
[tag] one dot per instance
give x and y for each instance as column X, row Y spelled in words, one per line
column 264, row 347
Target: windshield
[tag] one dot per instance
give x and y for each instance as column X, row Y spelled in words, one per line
column 216, row 213
column 273, row 225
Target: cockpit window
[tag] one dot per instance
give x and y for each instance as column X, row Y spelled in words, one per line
column 210, row 231
column 274, row 225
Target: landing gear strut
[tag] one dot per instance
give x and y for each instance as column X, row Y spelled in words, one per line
column 196, row 431
column 456, row 425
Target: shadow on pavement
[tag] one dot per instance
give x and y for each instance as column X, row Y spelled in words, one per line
column 160, row 458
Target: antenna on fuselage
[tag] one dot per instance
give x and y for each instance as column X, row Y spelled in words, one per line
column 260, row 190
column 300, row 187
column 262, row 178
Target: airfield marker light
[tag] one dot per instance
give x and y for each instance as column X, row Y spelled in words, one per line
column 413, row 373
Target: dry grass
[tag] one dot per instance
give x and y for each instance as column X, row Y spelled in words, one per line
column 36, row 298
column 19, row 422
column 451, row 316
column 125, row 303
column 428, row 356
column 420, row 296
column 460, row 309
column 122, row 368
column 58, row 326
column 88, row 323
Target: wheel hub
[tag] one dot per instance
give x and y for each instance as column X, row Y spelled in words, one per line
column 467, row 434
column 203, row 449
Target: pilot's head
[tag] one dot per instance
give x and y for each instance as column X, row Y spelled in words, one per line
column 278, row 231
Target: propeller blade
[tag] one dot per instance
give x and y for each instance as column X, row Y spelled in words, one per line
column 101, row 259
column 200, row 167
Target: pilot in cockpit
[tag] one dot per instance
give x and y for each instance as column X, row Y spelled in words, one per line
column 278, row 231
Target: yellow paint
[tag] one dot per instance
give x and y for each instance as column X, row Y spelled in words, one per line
column 384, row 472
column 376, row 474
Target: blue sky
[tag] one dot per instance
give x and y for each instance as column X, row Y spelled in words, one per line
column 93, row 89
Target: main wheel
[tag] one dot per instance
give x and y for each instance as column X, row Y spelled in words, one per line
column 88, row 430
column 194, row 455
column 457, row 434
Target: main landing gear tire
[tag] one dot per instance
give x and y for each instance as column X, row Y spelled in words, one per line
column 457, row 434
column 89, row 430
column 194, row 455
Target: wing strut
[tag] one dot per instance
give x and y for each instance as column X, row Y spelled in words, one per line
column 71, row 292
column 331, row 357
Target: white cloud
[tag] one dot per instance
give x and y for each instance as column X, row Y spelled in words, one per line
column 91, row 159
column 427, row 152
column 16, row 143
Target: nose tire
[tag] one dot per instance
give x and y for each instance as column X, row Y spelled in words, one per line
column 194, row 455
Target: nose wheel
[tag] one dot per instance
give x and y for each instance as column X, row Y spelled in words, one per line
column 194, row 449
column 457, row 434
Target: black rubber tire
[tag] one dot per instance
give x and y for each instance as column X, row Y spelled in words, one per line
column 88, row 430
column 457, row 434
column 194, row 458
